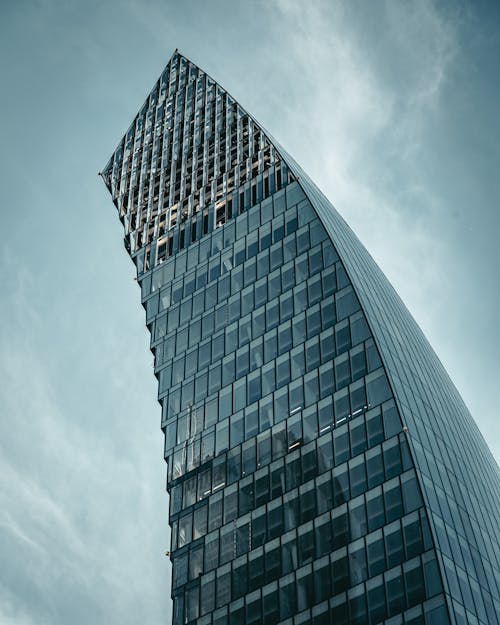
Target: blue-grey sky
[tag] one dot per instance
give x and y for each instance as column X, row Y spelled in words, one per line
column 391, row 107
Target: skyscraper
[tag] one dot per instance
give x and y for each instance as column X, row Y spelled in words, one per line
column 322, row 467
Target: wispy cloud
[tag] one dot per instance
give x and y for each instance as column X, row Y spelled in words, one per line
column 365, row 117
column 74, row 505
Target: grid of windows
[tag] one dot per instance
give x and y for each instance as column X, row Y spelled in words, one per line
column 296, row 493
column 294, row 456
column 456, row 470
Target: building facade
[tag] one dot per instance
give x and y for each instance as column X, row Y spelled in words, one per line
column 322, row 468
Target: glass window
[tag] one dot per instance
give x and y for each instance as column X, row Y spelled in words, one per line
column 276, row 256
column 374, row 467
column 223, row 586
column 265, row 236
column 239, row 580
column 392, row 457
column 261, row 291
column 272, row 314
column 299, row 329
column 228, row 370
column 327, row 345
column 275, row 518
column 263, row 264
column 375, row 553
column 340, row 525
column 414, row 582
column 311, row 390
column 358, row 362
column 325, row 406
column 279, row 441
column 342, row 336
column 327, row 313
column 301, row 269
column 393, row 543
column 284, row 338
column 265, row 412
column 303, row 239
column 290, row 248
column 342, row 406
column 342, row 371
column 289, row 557
column 286, row 307
column 250, row 272
column 297, row 362
column 357, row 476
column 222, row 436
column 413, row 536
column 214, row 378
column 287, row 594
column 270, row 346
column 315, row 258
column 296, row 396
column 251, row 421
column 245, row 329
column 375, row 595
column 185, row 528
column 281, row 409
column 431, row 575
column 233, row 465
column 293, row 470
column 395, row 591
column 247, row 300
column 192, row 603
column 253, row 386
column 252, row 244
column 256, row 354
column 324, row 494
column 411, row 492
column 196, row 562
column 189, row 492
column 225, row 402
column 372, row 356
column 242, row 361
column 340, row 570
column 313, row 320
column 341, row 444
column 314, row 290
column 261, row 487
column 305, row 543
column 312, row 353
column 259, row 529
column 240, row 394
column 246, row 495
column 357, row 562
column 340, row 482
column 392, row 422
column 358, row 397
column 357, row 517
column 300, row 300
column 377, row 388
column 392, row 499
column 374, row 429
column 249, row 457
column 180, row 570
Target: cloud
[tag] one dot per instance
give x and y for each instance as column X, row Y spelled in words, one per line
column 76, row 504
column 363, row 119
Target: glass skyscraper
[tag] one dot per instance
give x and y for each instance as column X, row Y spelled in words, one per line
column 322, row 467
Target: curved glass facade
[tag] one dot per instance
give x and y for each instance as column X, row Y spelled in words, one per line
column 321, row 466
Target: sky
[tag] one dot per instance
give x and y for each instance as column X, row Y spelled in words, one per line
column 392, row 109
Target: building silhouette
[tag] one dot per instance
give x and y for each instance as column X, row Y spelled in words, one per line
column 322, row 467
